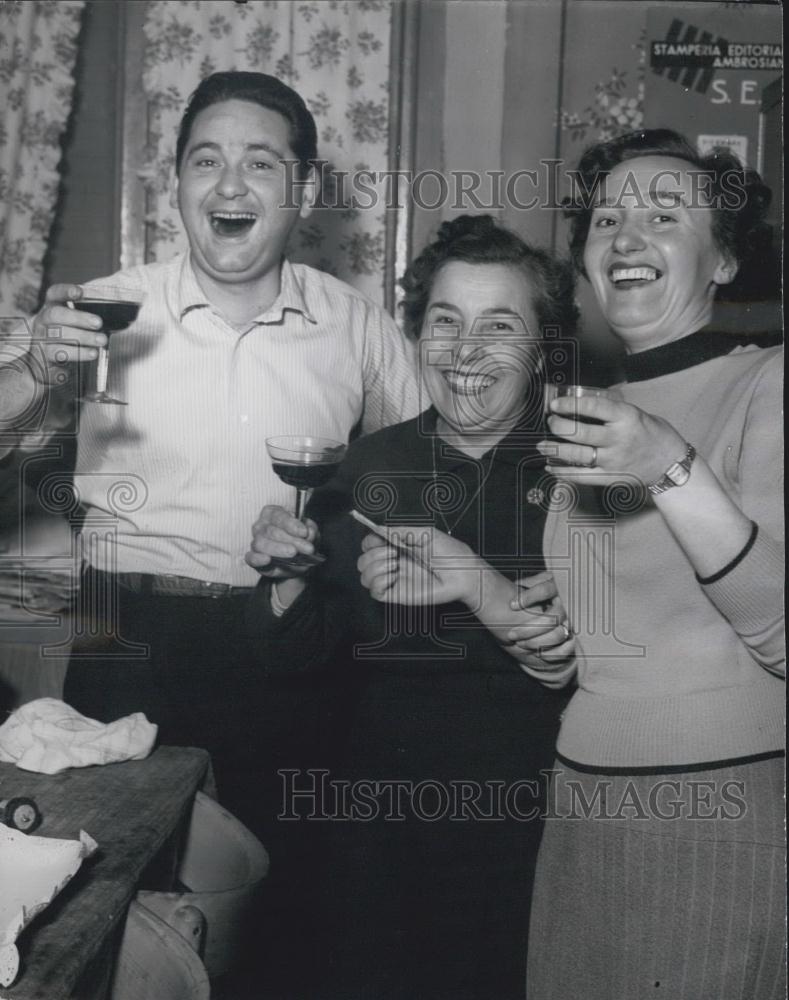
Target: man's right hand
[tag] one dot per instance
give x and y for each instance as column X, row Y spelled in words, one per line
column 278, row 536
column 64, row 333
column 60, row 334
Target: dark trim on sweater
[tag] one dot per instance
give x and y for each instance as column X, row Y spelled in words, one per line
column 695, row 349
column 708, row 765
column 735, row 561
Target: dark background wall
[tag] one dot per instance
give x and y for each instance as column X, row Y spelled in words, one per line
column 85, row 239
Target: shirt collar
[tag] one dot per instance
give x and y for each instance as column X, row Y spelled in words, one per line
column 695, row 349
column 190, row 294
column 291, row 295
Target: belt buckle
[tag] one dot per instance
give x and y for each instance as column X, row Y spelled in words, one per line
column 214, row 590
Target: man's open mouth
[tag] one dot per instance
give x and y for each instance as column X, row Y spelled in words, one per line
column 229, row 224
column 629, row 277
column 467, row 381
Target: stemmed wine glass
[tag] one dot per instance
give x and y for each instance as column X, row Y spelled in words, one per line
column 117, row 309
column 304, row 462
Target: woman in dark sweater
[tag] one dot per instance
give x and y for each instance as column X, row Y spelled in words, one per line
column 433, row 847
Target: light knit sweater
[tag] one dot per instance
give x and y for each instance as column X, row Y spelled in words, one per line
column 674, row 672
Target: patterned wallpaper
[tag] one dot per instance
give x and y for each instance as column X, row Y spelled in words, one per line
column 336, row 54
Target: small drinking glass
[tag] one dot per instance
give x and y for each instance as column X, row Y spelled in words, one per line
column 117, row 308
column 575, row 392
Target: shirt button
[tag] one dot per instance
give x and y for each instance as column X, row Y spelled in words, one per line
column 244, row 418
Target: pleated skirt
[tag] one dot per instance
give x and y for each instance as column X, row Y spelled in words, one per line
column 657, row 886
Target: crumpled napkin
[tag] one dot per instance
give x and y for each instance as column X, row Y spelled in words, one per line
column 47, row 735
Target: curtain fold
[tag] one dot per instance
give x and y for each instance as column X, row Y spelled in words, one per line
column 335, row 53
column 38, row 49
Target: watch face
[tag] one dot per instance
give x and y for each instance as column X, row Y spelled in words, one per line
column 678, row 474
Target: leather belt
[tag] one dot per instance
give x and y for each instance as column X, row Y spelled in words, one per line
column 168, row 585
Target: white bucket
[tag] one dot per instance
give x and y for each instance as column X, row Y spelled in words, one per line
column 222, row 868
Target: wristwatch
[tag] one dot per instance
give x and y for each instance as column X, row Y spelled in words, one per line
column 675, row 475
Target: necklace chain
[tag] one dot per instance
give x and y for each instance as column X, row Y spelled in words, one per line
column 449, row 528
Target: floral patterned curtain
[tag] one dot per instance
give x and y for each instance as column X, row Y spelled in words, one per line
column 38, row 47
column 335, row 53
column 604, row 95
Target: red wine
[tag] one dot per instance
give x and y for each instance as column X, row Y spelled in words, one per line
column 115, row 315
column 304, row 476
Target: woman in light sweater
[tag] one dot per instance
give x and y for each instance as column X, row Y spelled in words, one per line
column 661, row 872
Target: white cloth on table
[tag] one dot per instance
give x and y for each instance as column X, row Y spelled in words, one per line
column 48, row 736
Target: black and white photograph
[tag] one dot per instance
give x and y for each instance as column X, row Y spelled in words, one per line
column 391, row 500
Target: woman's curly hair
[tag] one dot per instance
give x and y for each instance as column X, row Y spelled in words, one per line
column 479, row 239
column 737, row 196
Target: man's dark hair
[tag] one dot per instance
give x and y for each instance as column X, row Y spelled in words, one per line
column 257, row 88
column 737, row 197
column 478, row 239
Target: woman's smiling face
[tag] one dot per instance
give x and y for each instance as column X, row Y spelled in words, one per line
column 480, row 346
column 650, row 254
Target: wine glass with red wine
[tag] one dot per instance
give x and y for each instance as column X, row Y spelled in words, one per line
column 117, row 308
column 304, row 462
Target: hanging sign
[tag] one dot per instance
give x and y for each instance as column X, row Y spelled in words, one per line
column 708, row 65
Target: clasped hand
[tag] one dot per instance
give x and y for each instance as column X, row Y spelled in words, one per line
column 542, row 635
column 418, row 565
column 421, row 565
